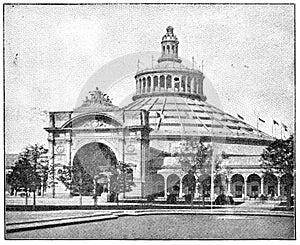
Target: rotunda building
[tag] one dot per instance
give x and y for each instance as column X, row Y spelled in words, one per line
column 173, row 95
column 169, row 107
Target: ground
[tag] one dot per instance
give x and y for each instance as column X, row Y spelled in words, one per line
column 172, row 227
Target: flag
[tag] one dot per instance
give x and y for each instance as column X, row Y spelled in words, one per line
column 261, row 120
column 240, row 117
column 284, row 126
column 274, row 122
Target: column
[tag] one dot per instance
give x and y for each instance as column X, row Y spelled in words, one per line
column 262, row 186
column 144, row 81
column 197, row 190
column 51, row 140
column 228, row 186
column 180, row 188
column 245, row 187
column 152, row 84
column 179, row 86
column 278, row 187
column 186, row 82
column 69, row 148
column 212, row 189
column 173, row 84
column 165, row 82
column 166, row 185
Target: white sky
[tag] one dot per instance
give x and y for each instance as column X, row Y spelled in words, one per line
column 247, row 51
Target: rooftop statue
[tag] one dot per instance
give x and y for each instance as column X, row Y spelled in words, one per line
column 97, row 97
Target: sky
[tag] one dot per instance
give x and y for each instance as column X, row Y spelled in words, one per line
column 55, row 54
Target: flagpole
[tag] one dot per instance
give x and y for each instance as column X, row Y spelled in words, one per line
column 281, row 131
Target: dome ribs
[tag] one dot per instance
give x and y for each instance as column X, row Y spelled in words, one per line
column 154, row 102
column 183, row 129
column 197, row 117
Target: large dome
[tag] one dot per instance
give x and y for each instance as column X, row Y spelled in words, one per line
column 173, row 95
column 179, row 117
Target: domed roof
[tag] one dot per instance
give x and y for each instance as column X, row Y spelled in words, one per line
column 176, row 116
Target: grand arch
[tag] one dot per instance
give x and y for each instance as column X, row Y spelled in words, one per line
column 95, row 158
column 94, row 161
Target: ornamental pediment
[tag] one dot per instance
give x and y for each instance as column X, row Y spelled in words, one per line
column 95, row 123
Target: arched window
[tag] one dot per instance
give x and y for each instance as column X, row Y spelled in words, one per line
column 189, row 80
column 148, row 84
column 140, row 85
column 169, row 82
column 200, row 86
column 164, row 49
column 173, row 49
column 182, row 84
column 173, row 183
column 253, row 185
column 176, row 84
column 155, row 80
column 144, row 85
column 194, row 85
column 237, row 185
column 161, row 83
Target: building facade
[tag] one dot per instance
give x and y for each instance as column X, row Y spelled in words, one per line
column 169, row 107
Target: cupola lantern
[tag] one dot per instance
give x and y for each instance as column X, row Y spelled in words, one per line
column 169, row 45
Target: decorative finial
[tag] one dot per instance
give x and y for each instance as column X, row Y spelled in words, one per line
column 170, row 29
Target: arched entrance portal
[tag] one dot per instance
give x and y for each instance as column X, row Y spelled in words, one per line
column 237, row 187
column 188, row 184
column 173, row 183
column 253, row 185
column 89, row 164
column 270, row 185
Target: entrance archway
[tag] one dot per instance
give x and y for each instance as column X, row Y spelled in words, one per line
column 188, row 184
column 270, row 185
column 237, row 185
column 89, row 164
column 253, row 185
column 173, row 183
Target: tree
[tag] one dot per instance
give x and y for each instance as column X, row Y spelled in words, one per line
column 22, row 177
column 121, row 179
column 77, row 180
column 278, row 158
column 196, row 159
column 28, row 171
